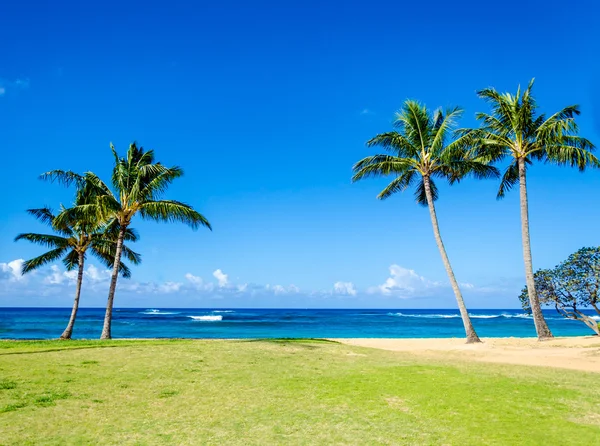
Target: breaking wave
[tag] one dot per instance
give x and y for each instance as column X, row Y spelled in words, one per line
column 154, row 311
column 453, row 316
column 206, row 318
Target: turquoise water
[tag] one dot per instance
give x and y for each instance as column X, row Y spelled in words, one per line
column 47, row 323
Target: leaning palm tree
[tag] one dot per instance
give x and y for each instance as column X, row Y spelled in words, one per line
column 71, row 242
column 421, row 149
column 138, row 184
column 514, row 131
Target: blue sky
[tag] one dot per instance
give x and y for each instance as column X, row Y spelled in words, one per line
column 266, row 106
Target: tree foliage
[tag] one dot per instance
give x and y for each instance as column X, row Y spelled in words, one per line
column 515, row 130
column 422, row 146
column 570, row 287
column 74, row 236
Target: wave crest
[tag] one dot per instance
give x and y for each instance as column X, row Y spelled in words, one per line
column 206, row 318
column 154, row 311
column 453, row 316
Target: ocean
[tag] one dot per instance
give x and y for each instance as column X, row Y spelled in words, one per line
column 48, row 323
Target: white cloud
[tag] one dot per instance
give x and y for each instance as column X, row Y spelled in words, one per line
column 56, row 277
column 223, row 283
column 195, row 280
column 91, row 274
column 404, row 282
column 280, row 289
column 2, row 91
column 221, row 277
column 13, row 269
column 95, row 274
column 366, row 111
column 345, row 288
column 170, row 287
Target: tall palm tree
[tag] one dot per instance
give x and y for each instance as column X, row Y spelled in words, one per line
column 514, row 131
column 420, row 150
column 138, row 184
column 71, row 242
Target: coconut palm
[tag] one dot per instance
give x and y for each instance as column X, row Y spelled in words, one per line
column 515, row 132
column 71, row 242
column 420, row 150
column 138, row 184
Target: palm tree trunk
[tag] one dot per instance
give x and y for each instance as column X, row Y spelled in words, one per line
column 106, row 329
column 69, row 330
column 464, row 314
column 541, row 327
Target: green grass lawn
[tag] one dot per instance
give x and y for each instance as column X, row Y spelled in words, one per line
column 280, row 392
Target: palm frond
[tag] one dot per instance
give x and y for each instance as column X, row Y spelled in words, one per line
column 65, row 177
column 380, row 165
column 99, row 187
column 71, row 260
column 400, row 184
column 415, row 123
column 48, row 240
column 173, row 211
column 77, row 214
column 444, row 122
column 396, row 143
column 131, row 235
column 108, row 260
column 160, row 178
column 574, row 152
column 132, row 256
column 509, row 179
column 44, row 215
column 39, row 261
column 421, row 194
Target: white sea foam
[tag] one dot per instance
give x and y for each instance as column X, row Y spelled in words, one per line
column 426, row 316
column 223, row 311
column 206, row 318
column 524, row 316
column 596, row 318
column 154, row 311
column 454, row 316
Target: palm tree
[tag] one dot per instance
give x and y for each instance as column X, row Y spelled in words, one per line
column 71, row 242
column 419, row 152
column 514, row 131
column 138, row 185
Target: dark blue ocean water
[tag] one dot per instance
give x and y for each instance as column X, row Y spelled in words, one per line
column 47, row 323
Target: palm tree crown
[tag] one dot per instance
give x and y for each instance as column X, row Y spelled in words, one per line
column 138, row 183
column 419, row 148
column 74, row 238
column 514, row 130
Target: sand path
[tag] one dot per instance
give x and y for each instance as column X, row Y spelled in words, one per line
column 577, row 353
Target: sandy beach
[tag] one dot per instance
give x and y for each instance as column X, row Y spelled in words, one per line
column 577, row 353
